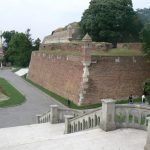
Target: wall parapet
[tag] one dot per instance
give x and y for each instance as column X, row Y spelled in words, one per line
column 53, row 57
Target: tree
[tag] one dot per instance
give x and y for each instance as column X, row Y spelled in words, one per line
column 111, row 21
column 18, row 47
column 7, row 35
column 145, row 37
column 36, row 44
column 144, row 15
column 19, row 50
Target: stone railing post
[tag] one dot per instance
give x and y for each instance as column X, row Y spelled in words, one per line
column 67, row 125
column 54, row 116
column 147, row 146
column 38, row 118
column 108, row 115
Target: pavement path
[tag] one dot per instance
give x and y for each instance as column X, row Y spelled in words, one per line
column 37, row 102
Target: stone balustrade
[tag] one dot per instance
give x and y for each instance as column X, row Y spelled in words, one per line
column 147, row 146
column 56, row 115
column 85, row 121
column 131, row 116
column 110, row 117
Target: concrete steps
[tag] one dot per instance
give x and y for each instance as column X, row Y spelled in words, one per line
column 29, row 134
column 51, row 137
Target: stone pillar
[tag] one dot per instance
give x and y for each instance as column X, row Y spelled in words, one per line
column 86, row 49
column 86, row 61
column 69, row 29
column 54, row 116
column 67, row 124
column 108, row 115
column 38, row 118
column 147, row 146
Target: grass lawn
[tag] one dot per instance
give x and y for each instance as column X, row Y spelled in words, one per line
column 15, row 97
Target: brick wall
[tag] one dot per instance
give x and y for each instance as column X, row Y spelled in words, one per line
column 110, row 77
column 113, row 77
column 62, row 75
column 75, row 46
column 133, row 46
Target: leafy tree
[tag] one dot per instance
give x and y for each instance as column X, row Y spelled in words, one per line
column 19, row 50
column 7, row 35
column 145, row 37
column 147, row 89
column 18, row 47
column 111, row 21
column 144, row 15
column 36, row 44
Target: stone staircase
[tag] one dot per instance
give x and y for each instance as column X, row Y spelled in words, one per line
column 110, row 117
column 47, row 136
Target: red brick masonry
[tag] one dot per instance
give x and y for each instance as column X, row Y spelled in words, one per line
column 110, row 77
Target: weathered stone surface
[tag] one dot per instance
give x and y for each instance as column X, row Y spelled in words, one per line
column 147, row 146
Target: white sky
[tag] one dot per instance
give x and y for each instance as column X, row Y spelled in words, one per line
column 44, row 16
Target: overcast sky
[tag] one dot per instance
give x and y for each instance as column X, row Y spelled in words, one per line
column 44, row 16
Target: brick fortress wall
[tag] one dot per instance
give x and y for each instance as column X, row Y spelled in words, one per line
column 87, row 79
column 116, row 77
column 61, row 75
column 110, row 77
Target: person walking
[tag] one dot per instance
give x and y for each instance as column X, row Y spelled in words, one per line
column 131, row 99
column 143, row 98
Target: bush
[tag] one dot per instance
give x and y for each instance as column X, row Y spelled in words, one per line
column 147, row 90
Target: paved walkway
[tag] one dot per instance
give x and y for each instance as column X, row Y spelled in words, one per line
column 37, row 102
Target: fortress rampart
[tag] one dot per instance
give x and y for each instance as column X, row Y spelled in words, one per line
column 86, row 79
column 109, row 77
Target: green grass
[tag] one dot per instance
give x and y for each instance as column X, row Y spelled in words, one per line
column 136, row 100
column 118, row 52
column 15, row 97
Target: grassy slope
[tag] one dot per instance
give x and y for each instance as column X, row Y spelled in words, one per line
column 15, row 97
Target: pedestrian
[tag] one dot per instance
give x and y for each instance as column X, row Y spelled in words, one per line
column 131, row 99
column 68, row 102
column 143, row 98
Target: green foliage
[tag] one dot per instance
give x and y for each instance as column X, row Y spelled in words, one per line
column 7, row 35
column 143, row 119
column 15, row 97
column 147, row 90
column 120, row 118
column 111, row 21
column 145, row 37
column 36, row 44
column 144, row 15
column 18, row 47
